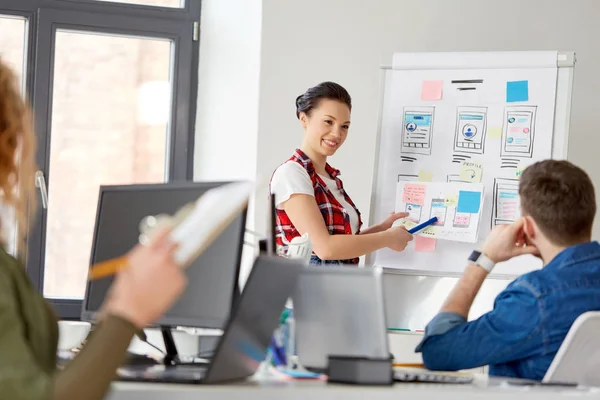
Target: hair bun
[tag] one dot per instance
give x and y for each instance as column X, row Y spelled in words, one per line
column 299, row 101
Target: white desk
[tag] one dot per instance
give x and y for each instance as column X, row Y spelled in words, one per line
column 494, row 389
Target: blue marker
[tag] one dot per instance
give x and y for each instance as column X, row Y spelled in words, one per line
column 423, row 225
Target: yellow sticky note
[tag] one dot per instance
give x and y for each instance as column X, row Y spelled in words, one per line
column 494, row 132
column 409, row 224
column 471, row 171
column 519, row 172
column 429, row 231
column 425, row 176
column 451, row 201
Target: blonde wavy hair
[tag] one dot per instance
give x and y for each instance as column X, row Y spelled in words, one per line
column 17, row 155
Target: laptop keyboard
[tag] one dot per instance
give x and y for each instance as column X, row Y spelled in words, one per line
column 163, row 374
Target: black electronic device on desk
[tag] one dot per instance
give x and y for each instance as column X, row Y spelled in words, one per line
column 247, row 335
column 212, row 288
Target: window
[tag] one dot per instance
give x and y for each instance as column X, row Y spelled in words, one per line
column 113, row 86
column 13, row 41
column 109, row 126
column 155, row 3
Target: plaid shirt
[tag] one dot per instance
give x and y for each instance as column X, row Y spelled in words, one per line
column 336, row 218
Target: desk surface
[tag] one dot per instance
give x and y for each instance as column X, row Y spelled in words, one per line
column 267, row 390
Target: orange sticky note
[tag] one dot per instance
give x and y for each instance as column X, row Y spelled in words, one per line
column 424, row 244
column 432, row 90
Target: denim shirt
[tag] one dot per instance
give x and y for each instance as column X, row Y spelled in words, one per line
column 531, row 317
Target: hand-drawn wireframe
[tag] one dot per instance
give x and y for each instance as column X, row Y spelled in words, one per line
column 407, row 178
column 506, row 207
column 461, row 220
column 455, row 178
column 417, row 130
column 439, row 210
column 414, row 212
column 518, row 131
column 471, row 129
column 509, row 163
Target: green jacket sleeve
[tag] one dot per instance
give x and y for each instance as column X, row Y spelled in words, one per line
column 87, row 377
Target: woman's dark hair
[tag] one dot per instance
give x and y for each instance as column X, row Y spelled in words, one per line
column 324, row 90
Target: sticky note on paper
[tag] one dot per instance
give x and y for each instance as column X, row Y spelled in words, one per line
column 494, row 132
column 429, row 231
column 468, row 202
column 424, row 244
column 414, row 194
column 451, row 201
column 425, row 176
column 409, row 224
column 517, row 91
column 471, row 172
column 519, row 172
column 432, row 90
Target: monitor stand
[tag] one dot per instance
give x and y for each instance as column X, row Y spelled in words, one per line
column 172, row 357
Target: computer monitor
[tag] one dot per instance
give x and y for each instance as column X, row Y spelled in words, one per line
column 268, row 245
column 212, row 288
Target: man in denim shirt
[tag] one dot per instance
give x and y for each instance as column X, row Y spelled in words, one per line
column 531, row 317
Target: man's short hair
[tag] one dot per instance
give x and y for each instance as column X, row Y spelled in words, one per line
column 560, row 197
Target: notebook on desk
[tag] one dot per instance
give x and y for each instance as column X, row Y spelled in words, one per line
column 244, row 342
column 408, row 374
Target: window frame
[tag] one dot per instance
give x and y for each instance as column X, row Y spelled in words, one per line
column 96, row 16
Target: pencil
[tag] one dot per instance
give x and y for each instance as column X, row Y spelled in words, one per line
column 107, row 268
column 408, row 365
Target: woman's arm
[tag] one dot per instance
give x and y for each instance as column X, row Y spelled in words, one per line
column 88, row 376
column 385, row 224
column 304, row 213
column 372, row 229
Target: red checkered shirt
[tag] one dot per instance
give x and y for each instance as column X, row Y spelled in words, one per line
column 336, row 218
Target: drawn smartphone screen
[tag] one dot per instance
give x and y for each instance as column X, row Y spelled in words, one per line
column 439, row 210
column 519, row 132
column 414, row 212
column 507, row 204
column 417, row 130
column 470, row 129
column 462, row 220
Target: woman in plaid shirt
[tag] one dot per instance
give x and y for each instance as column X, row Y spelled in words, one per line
column 310, row 195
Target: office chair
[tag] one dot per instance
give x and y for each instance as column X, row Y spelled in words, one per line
column 578, row 358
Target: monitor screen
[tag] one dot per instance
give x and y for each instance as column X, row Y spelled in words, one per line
column 212, row 278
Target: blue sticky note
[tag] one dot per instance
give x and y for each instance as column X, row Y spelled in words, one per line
column 517, row 91
column 468, row 202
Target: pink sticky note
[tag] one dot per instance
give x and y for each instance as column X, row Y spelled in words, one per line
column 424, row 244
column 414, row 194
column 462, row 219
column 432, row 90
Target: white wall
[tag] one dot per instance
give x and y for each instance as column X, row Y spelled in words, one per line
column 304, row 43
column 227, row 114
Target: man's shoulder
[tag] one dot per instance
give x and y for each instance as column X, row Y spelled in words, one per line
column 531, row 282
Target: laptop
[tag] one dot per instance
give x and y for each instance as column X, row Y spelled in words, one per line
column 339, row 311
column 247, row 334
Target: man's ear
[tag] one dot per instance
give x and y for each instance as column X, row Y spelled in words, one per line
column 529, row 227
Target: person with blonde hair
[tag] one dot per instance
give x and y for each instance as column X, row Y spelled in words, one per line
column 141, row 293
